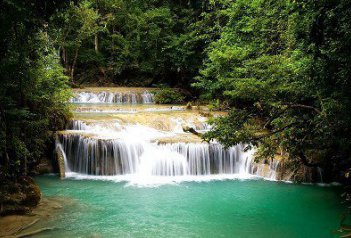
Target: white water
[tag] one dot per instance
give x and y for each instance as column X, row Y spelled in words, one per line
column 60, row 149
column 78, row 125
column 131, row 152
column 118, row 157
column 113, row 97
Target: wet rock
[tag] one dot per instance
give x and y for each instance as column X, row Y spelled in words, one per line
column 191, row 130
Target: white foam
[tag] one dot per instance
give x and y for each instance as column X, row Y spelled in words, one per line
column 154, row 181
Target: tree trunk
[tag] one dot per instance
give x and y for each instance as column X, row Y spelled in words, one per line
column 96, row 43
column 74, row 63
column 63, row 54
column 305, row 161
column 25, row 170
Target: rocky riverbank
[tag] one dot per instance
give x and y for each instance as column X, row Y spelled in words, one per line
column 33, row 222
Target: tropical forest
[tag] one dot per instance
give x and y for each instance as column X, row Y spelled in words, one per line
column 175, row 118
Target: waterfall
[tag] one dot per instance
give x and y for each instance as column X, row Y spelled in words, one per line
column 113, row 97
column 104, row 141
column 77, row 125
column 200, row 125
column 63, row 165
column 147, row 97
column 92, row 156
column 60, row 148
column 319, row 170
column 100, row 157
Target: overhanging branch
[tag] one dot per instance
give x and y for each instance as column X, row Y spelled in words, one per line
column 291, row 105
column 274, row 132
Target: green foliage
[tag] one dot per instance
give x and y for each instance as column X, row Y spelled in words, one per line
column 284, row 67
column 33, row 88
column 168, row 96
column 214, row 105
column 126, row 42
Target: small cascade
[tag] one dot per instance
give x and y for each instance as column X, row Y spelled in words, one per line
column 273, row 169
column 319, row 170
column 203, row 127
column 113, row 97
column 61, row 159
column 62, row 153
column 147, row 97
column 198, row 125
column 77, row 125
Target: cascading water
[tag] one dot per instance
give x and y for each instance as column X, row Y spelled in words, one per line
column 147, row 97
column 115, row 157
column 113, row 97
column 77, row 125
column 111, row 146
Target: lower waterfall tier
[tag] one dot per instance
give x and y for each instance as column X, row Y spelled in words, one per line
column 113, row 157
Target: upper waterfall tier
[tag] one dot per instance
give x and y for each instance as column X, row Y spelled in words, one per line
column 114, row 95
column 108, row 108
column 162, row 121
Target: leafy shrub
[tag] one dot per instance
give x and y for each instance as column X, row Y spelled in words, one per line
column 168, row 96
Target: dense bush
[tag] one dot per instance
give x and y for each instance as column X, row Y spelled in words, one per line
column 168, row 96
column 34, row 90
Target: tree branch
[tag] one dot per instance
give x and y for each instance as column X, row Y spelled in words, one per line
column 291, row 105
column 274, row 132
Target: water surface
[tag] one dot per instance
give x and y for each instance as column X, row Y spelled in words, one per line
column 230, row 208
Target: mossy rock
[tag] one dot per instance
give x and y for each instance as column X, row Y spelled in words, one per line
column 19, row 197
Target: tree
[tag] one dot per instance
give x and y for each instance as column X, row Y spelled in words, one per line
column 33, row 87
column 131, row 42
column 284, row 70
